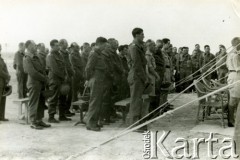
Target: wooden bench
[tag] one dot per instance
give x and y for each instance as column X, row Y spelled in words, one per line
column 79, row 103
column 125, row 104
column 20, row 103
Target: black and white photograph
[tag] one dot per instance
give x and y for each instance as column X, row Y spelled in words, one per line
column 119, row 79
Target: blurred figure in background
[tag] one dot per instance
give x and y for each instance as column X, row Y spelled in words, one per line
column 21, row 75
column 221, row 58
column 4, row 80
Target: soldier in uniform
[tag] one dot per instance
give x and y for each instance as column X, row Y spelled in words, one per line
column 137, row 77
column 76, row 61
column 220, row 59
column 206, row 58
column 36, row 79
column 168, row 74
column 124, row 89
column 196, row 61
column 185, row 67
column 95, row 75
column 57, row 76
column 21, row 76
column 4, row 80
column 42, row 54
column 233, row 64
column 160, row 69
column 67, row 99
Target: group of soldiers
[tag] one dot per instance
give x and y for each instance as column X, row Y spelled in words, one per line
column 141, row 68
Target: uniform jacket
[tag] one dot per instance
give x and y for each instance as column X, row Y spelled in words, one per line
column 137, row 61
column 205, row 61
column 35, row 70
column 68, row 65
column 185, row 62
column 77, row 64
column 220, row 59
column 196, row 59
column 3, row 72
column 117, row 68
column 18, row 61
column 96, row 66
column 42, row 56
column 56, row 66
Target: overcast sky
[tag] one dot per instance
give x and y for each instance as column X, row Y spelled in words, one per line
column 185, row 22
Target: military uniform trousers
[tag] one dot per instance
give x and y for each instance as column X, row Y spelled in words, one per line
column 76, row 87
column 136, row 109
column 56, row 100
column 66, row 100
column 36, row 102
column 96, row 84
column 2, row 100
column 22, row 84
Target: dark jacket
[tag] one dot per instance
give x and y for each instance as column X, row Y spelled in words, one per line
column 35, row 70
column 137, row 62
column 56, row 66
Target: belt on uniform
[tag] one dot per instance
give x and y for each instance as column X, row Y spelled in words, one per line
column 232, row 71
column 167, row 66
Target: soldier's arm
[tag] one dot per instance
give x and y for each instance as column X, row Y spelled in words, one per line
column 29, row 69
column 92, row 60
column 4, row 74
column 52, row 64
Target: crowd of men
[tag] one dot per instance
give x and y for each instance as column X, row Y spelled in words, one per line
column 111, row 72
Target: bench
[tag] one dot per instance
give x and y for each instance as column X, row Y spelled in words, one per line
column 79, row 103
column 125, row 104
column 20, row 103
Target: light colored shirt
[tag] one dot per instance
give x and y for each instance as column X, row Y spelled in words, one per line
column 233, row 61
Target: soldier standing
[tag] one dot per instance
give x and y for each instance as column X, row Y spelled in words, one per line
column 57, row 76
column 137, row 77
column 4, row 80
column 205, row 61
column 95, row 75
column 21, row 76
column 76, row 61
column 67, row 99
column 124, row 89
column 185, row 67
column 221, row 58
column 37, row 78
column 160, row 69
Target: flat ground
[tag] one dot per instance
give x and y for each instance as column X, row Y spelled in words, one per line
column 65, row 141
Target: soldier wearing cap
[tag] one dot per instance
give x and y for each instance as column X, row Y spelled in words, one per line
column 69, row 74
column 222, row 70
column 168, row 74
column 207, row 62
column 196, row 60
column 4, row 80
column 124, row 89
column 77, row 63
column 37, row 78
column 184, row 67
column 21, row 76
column 57, row 76
column 137, row 77
column 95, row 75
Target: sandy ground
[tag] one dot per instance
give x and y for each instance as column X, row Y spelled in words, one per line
column 65, row 141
